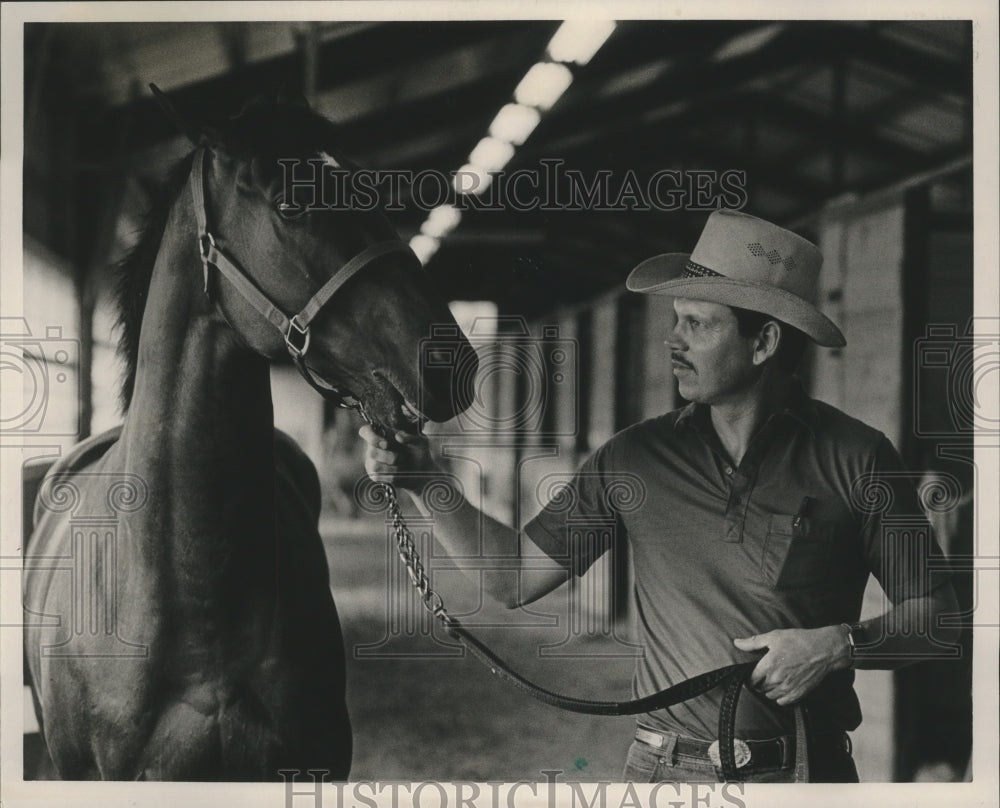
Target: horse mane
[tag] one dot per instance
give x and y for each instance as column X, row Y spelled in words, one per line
column 268, row 128
column 135, row 272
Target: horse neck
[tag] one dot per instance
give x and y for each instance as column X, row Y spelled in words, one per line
column 200, row 426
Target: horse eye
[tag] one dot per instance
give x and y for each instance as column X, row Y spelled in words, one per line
column 289, row 210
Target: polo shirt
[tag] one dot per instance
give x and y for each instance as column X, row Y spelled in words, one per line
column 722, row 551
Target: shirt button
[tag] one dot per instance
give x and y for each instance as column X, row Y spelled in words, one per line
column 729, row 469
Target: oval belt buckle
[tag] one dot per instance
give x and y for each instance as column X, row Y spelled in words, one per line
column 739, row 746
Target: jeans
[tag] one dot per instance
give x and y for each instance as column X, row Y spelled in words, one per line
column 648, row 764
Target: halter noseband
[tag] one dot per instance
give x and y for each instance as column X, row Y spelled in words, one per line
column 295, row 329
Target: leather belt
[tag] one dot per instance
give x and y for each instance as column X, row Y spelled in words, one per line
column 773, row 753
column 770, row 753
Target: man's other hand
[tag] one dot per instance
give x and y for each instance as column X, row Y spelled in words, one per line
column 796, row 660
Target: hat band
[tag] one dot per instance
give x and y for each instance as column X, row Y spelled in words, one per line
column 693, row 270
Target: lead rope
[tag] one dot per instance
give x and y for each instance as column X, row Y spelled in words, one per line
column 732, row 676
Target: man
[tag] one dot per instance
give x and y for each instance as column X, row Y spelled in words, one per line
column 764, row 514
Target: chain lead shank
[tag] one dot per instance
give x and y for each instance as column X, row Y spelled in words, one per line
column 411, row 557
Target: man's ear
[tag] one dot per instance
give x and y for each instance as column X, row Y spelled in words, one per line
column 196, row 133
column 767, row 341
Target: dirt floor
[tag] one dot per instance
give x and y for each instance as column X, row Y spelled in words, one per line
column 423, row 711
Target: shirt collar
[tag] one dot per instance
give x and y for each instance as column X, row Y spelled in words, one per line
column 801, row 407
column 693, row 415
column 796, row 404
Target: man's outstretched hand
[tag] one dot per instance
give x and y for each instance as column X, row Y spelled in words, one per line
column 402, row 459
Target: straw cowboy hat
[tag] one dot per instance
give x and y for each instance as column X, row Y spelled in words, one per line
column 743, row 261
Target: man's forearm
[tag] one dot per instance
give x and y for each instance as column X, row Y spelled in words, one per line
column 512, row 568
column 514, row 576
column 908, row 632
column 797, row 660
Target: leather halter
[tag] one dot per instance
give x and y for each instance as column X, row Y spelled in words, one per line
column 294, row 329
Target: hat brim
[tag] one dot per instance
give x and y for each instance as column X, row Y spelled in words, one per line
column 660, row 276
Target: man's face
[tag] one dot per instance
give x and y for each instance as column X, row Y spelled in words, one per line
column 710, row 359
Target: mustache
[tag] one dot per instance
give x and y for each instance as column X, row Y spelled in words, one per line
column 680, row 360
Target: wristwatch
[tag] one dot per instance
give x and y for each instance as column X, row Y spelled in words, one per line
column 855, row 637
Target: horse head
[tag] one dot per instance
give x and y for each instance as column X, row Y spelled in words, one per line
column 335, row 287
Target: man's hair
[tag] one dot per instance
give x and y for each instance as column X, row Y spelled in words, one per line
column 792, row 345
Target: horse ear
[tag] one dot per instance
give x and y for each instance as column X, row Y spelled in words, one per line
column 193, row 132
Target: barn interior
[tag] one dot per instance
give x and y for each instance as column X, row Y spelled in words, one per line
column 856, row 134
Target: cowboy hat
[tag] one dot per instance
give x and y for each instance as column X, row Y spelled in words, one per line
column 749, row 263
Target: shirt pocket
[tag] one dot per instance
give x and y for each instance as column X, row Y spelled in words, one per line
column 797, row 555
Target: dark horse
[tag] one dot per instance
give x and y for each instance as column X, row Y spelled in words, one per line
column 195, row 637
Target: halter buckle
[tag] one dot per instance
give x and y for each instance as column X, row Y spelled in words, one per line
column 206, row 243
column 205, row 246
column 297, row 351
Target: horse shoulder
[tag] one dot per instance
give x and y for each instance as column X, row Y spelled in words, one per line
column 49, row 486
column 36, row 473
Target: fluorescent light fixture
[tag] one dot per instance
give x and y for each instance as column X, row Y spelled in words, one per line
column 424, row 247
column 441, row 221
column 491, row 154
column 514, row 122
column 748, row 42
column 578, row 40
column 543, row 84
column 471, row 179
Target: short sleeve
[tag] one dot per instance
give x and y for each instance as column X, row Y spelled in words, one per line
column 898, row 541
column 578, row 524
